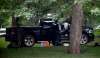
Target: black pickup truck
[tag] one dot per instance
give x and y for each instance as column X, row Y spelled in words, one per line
column 47, row 31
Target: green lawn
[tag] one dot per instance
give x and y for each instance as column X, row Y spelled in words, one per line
column 89, row 52
column 54, row 52
column 3, row 43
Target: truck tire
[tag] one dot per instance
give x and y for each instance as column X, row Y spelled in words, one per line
column 84, row 39
column 29, row 41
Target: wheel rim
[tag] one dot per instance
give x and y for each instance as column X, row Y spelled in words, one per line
column 84, row 39
column 29, row 41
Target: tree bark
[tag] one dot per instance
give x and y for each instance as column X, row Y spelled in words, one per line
column 76, row 28
column 13, row 21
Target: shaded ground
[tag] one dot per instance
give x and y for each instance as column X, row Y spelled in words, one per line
column 57, row 52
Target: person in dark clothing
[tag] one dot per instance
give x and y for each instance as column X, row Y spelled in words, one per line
column 55, row 34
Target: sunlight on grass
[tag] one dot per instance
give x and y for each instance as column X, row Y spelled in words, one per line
column 37, row 45
column 3, row 43
column 97, row 35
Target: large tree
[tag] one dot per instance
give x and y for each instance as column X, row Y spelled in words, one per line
column 76, row 28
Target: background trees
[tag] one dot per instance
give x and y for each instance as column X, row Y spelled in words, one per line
column 33, row 10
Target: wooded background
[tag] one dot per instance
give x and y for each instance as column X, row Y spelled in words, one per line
column 32, row 10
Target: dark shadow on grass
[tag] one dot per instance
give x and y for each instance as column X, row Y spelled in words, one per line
column 3, row 53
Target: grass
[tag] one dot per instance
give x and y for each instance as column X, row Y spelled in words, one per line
column 97, row 35
column 3, row 43
column 97, row 32
column 53, row 52
column 90, row 52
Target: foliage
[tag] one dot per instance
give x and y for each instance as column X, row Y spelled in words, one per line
column 92, row 12
column 7, row 8
column 33, row 10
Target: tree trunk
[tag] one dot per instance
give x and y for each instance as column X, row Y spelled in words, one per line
column 76, row 29
column 13, row 21
column 15, row 24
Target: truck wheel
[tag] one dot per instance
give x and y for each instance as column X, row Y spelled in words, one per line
column 84, row 39
column 29, row 41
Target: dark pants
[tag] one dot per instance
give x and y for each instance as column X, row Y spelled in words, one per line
column 56, row 38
